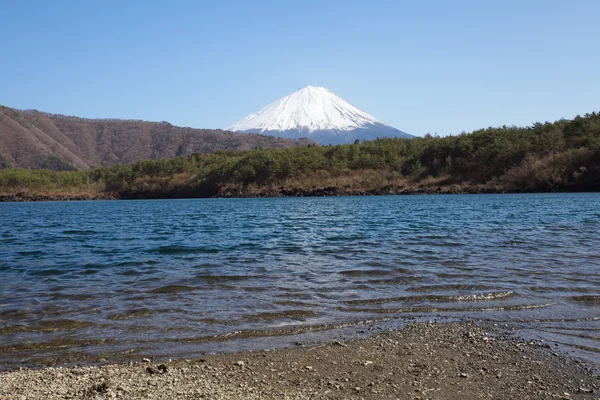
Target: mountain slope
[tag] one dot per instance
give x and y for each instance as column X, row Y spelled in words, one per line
column 33, row 139
column 316, row 113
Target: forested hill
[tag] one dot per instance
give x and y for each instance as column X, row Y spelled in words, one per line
column 34, row 140
column 559, row 156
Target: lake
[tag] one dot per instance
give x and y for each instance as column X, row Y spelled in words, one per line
column 81, row 280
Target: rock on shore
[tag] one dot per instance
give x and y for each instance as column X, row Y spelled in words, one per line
column 22, row 197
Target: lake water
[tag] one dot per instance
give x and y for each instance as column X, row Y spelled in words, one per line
column 79, row 280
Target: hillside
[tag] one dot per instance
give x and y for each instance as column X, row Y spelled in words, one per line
column 34, row 140
column 544, row 157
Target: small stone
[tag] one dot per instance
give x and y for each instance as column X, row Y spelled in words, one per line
column 151, row 370
column 239, row 363
column 367, row 363
column 101, row 387
column 463, row 375
column 145, row 360
column 308, row 367
column 163, row 368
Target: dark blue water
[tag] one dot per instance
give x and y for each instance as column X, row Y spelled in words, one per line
column 185, row 276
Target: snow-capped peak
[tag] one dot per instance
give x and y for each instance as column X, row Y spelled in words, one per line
column 309, row 109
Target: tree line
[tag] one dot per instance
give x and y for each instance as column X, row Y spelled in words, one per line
column 563, row 155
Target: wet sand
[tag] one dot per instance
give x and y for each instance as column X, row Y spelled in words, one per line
column 421, row 361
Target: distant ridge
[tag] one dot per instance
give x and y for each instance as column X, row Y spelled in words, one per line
column 33, row 139
column 318, row 114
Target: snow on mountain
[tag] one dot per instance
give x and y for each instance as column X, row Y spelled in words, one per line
column 318, row 114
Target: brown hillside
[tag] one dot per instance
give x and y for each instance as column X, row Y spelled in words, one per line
column 29, row 139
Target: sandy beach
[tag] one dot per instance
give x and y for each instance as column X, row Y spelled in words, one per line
column 421, row 361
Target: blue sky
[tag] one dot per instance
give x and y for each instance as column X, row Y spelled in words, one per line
column 421, row 66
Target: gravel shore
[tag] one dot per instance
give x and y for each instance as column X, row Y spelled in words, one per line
column 421, row 361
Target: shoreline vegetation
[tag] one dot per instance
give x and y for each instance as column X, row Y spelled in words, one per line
column 421, row 361
column 563, row 156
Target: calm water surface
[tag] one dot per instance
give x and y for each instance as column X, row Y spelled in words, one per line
column 182, row 277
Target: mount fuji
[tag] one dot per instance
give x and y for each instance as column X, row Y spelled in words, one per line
column 317, row 114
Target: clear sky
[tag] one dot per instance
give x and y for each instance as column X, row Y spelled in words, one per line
column 421, row 66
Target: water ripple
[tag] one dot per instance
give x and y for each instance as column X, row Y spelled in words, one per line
column 200, row 271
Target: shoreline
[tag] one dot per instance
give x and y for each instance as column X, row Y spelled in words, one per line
column 439, row 360
column 281, row 193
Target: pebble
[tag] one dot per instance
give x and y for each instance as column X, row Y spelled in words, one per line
column 163, row 368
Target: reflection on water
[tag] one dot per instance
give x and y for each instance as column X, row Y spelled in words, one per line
column 162, row 276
